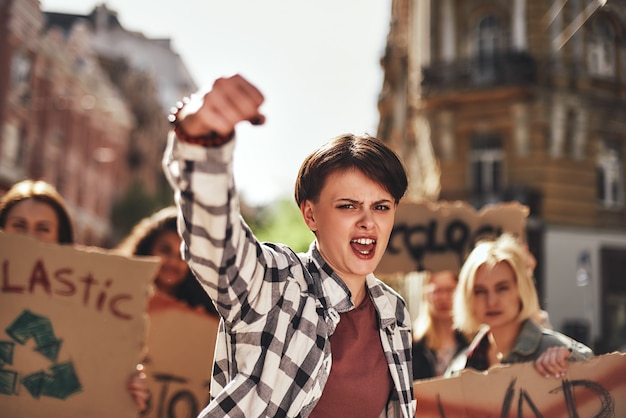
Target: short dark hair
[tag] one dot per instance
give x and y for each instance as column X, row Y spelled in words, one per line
column 44, row 192
column 365, row 153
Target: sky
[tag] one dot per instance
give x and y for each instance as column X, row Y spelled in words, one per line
column 317, row 62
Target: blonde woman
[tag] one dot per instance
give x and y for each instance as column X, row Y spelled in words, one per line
column 496, row 296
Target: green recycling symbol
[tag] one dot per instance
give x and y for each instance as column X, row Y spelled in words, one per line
column 60, row 382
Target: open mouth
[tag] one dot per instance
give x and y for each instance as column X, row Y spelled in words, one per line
column 363, row 246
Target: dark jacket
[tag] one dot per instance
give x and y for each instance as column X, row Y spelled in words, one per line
column 425, row 359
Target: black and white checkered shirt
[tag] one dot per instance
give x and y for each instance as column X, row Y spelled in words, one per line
column 279, row 309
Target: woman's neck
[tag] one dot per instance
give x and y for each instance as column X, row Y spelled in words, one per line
column 358, row 290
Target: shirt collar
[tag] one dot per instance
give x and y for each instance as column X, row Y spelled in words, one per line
column 386, row 309
column 528, row 339
column 337, row 295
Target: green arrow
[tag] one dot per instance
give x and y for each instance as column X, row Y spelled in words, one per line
column 62, row 383
column 50, row 351
column 39, row 327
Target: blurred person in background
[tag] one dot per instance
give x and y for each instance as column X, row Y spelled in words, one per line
column 35, row 208
column 157, row 235
column 174, row 285
column 435, row 341
column 496, row 297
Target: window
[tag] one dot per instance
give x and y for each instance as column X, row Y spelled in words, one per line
column 609, row 168
column 489, row 42
column 601, row 55
column 570, row 132
column 487, row 164
column 21, row 67
column 12, row 145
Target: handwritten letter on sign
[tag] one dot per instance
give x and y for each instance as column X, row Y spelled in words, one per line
column 438, row 236
column 72, row 329
column 592, row 388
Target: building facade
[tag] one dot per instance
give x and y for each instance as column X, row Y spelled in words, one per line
column 87, row 118
column 491, row 101
column 62, row 120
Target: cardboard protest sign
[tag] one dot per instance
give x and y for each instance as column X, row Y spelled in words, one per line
column 437, row 236
column 72, row 329
column 592, row 388
column 181, row 344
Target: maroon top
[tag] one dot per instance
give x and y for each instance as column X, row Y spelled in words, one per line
column 359, row 384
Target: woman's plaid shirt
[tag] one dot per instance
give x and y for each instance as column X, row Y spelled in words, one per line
column 278, row 309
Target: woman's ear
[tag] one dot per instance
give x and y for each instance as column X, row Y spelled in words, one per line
column 307, row 208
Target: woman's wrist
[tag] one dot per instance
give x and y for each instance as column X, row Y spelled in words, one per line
column 208, row 140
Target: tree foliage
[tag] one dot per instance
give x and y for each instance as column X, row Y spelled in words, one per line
column 134, row 205
column 281, row 222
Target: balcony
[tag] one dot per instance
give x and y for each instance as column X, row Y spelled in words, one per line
column 503, row 69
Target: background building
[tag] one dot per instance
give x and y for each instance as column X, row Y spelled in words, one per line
column 83, row 105
column 496, row 100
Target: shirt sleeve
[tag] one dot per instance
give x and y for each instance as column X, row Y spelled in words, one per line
column 221, row 250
